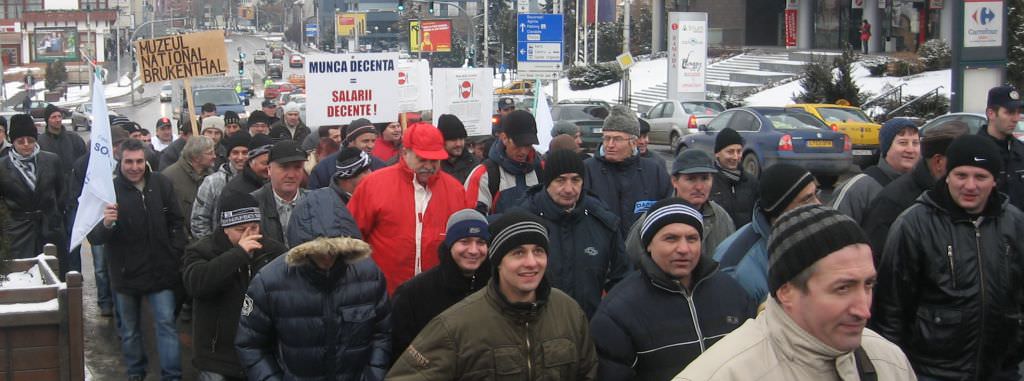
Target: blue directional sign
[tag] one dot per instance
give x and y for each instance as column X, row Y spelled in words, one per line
column 311, row 30
column 540, row 37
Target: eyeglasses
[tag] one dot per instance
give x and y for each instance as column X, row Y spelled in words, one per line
column 616, row 139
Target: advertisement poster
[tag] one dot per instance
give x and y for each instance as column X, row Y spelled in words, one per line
column 983, row 23
column 413, row 85
column 182, row 56
column 435, row 36
column 349, row 23
column 467, row 94
column 693, row 51
column 791, row 21
column 57, row 44
column 343, row 87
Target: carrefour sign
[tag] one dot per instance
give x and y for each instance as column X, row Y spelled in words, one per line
column 983, row 23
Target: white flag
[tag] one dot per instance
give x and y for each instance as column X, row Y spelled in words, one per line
column 98, row 188
column 542, row 113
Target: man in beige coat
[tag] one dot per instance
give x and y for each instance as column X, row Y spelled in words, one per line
column 821, row 277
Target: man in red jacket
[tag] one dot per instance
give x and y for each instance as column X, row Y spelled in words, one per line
column 402, row 210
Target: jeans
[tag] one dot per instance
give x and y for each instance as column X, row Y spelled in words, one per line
column 134, row 354
column 99, row 265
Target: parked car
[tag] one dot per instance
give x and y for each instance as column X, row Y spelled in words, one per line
column 589, row 118
column 81, row 116
column 260, row 56
column 37, row 108
column 516, row 88
column 671, row 120
column 596, row 102
column 166, row 91
column 974, row 121
column 778, row 134
column 853, row 122
column 275, row 69
column 295, row 61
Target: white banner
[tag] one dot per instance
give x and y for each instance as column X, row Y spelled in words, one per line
column 688, row 51
column 467, row 94
column 345, row 87
column 98, row 189
column 413, row 85
column 545, row 123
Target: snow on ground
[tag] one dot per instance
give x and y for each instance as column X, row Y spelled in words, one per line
column 643, row 75
column 50, row 305
column 915, row 85
column 27, row 278
column 81, row 94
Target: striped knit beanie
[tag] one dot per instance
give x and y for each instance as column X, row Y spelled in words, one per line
column 669, row 211
column 513, row 229
column 804, row 235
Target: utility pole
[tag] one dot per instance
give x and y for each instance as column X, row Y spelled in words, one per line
column 487, row 40
column 586, row 30
column 597, row 27
column 624, row 97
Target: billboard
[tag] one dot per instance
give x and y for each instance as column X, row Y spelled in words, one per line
column 688, row 51
column 55, row 44
column 341, row 88
column 435, row 36
column 347, row 23
column 983, row 23
column 182, row 56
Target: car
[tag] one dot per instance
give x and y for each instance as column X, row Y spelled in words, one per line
column 295, row 61
column 81, row 116
column 597, row 102
column 588, row 117
column 260, row 56
column 672, row 119
column 299, row 80
column 276, row 89
column 247, row 88
column 277, row 53
column 853, row 122
column 166, row 90
column 974, row 121
column 516, row 88
column 779, row 134
column 37, row 108
column 275, row 69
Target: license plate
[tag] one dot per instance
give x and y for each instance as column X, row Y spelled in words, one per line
column 598, row 130
column 862, row 152
column 819, row 143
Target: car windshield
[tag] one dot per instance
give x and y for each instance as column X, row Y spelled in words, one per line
column 577, row 112
column 166, row 87
column 216, row 96
column 706, row 108
column 783, row 119
column 247, row 82
column 843, row 115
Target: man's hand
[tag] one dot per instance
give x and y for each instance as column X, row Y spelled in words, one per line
column 109, row 215
column 250, row 240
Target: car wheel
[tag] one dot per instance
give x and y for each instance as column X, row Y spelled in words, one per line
column 751, row 165
column 674, row 139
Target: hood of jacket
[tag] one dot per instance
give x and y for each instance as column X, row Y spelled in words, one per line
column 348, row 250
column 497, row 154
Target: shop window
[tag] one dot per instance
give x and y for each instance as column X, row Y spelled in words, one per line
column 831, row 24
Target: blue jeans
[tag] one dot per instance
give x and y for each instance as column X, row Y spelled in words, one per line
column 167, row 344
column 99, row 267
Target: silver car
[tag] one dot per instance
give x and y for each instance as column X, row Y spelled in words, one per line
column 165, row 92
column 671, row 120
column 81, row 116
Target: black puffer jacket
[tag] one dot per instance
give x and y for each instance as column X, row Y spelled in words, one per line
column 735, row 196
column 217, row 274
column 893, row 200
column 646, row 328
column 301, row 323
column 146, row 243
column 628, row 188
column 322, row 213
column 949, row 287
column 587, row 253
column 428, row 294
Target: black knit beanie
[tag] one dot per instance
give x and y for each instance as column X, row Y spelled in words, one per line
column 779, row 185
column 237, row 208
column 350, row 163
column 804, row 235
column 669, row 211
column 451, row 127
column 560, row 162
column 513, row 229
column 238, row 139
column 257, row 117
column 22, row 125
column 49, row 110
column 727, row 137
column 232, row 117
column 976, row 151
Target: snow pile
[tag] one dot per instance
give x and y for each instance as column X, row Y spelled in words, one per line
column 917, row 84
column 50, row 305
column 21, row 279
column 643, row 75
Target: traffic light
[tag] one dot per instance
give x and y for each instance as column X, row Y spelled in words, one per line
column 401, row 5
column 241, row 67
column 431, row 8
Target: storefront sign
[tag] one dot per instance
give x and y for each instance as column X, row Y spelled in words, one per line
column 688, row 50
column 345, row 87
column 467, row 94
column 983, row 23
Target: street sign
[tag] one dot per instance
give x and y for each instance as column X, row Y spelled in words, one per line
column 503, row 68
column 539, row 52
column 182, row 56
column 625, row 60
column 311, row 30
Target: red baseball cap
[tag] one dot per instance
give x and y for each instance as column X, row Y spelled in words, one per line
column 425, row 140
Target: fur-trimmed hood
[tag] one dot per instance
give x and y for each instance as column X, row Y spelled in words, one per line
column 347, row 249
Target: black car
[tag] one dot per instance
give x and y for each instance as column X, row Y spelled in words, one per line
column 275, row 69
column 588, row 117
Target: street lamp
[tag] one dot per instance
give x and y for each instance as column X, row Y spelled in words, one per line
column 302, row 23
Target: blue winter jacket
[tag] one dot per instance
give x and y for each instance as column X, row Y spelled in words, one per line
column 628, row 188
column 302, row 323
column 322, row 213
column 744, row 256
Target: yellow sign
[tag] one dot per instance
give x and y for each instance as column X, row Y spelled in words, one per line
column 182, row 56
column 625, row 60
column 246, row 13
column 349, row 22
column 435, row 36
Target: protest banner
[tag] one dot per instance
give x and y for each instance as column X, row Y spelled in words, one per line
column 413, row 85
column 467, row 94
column 343, row 87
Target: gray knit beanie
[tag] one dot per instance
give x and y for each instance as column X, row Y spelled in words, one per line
column 621, row 119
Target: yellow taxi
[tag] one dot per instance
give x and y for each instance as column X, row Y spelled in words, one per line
column 853, row 122
column 516, row 88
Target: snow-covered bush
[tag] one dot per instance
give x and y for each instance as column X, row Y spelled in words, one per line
column 935, row 54
column 594, row 75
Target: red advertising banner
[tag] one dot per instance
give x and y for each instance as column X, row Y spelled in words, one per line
column 430, row 36
column 791, row 27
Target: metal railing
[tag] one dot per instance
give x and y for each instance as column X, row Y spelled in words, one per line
column 895, row 93
column 929, row 94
